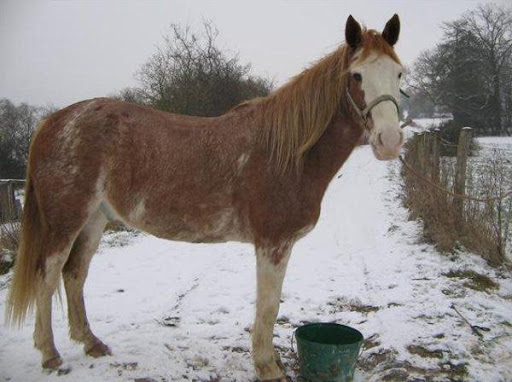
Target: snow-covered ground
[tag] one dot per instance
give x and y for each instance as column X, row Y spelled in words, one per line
column 183, row 312
column 428, row 123
column 496, row 142
column 422, row 124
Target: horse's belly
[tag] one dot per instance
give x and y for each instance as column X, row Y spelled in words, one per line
column 212, row 232
column 199, row 227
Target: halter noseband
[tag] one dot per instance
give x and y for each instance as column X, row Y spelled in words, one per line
column 363, row 113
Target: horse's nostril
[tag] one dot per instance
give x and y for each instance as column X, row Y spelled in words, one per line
column 390, row 139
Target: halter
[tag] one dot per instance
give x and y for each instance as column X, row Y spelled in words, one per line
column 363, row 113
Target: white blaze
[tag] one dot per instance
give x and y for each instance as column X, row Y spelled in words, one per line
column 380, row 75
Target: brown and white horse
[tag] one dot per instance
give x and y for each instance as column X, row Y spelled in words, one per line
column 255, row 174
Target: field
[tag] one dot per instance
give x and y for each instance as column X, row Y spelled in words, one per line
column 183, row 312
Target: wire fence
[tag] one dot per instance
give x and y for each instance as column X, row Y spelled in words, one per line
column 461, row 199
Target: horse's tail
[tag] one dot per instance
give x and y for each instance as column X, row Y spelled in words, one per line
column 22, row 294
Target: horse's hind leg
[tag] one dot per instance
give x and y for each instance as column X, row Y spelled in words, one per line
column 47, row 284
column 75, row 272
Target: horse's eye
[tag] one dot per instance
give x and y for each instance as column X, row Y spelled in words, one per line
column 357, row 76
column 399, row 75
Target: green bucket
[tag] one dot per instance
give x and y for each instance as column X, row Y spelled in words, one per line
column 328, row 352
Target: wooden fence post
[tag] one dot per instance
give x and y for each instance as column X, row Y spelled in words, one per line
column 436, row 155
column 8, row 210
column 460, row 172
column 414, row 148
column 429, row 149
column 421, row 152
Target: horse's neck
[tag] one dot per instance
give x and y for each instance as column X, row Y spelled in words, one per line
column 330, row 152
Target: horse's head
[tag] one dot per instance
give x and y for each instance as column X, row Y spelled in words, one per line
column 373, row 85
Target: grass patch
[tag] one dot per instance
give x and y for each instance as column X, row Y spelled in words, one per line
column 371, row 342
column 424, row 352
column 475, row 280
column 396, row 375
column 372, row 361
column 456, row 372
column 340, row 304
column 364, row 308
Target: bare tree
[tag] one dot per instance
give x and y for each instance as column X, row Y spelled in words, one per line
column 191, row 75
column 17, row 124
column 133, row 95
column 469, row 72
column 492, row 26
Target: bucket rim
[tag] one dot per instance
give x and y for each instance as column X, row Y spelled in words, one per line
column 349, row 329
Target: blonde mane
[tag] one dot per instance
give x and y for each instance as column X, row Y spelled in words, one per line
column 295, row 116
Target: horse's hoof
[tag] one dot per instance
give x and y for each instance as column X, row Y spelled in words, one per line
column 271, row 371
column 99, row 349
column 63, row 371
column 52, row 363
column 278, row 379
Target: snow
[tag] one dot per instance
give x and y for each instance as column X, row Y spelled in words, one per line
column 182, row 312
column 422, row 124
column 502, row 143
column 427, row 123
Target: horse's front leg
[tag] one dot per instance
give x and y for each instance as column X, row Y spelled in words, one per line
column 271, row 268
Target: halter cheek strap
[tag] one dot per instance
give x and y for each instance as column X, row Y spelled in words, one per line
column 363, row 113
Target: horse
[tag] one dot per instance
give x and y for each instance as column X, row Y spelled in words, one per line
column 255, row 174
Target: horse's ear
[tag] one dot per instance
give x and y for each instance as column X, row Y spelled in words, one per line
column 392, row 30
column 353, row 32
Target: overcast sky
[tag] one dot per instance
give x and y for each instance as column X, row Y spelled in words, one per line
column 60, row 52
